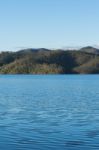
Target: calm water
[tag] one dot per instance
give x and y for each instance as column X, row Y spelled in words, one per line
column 58, row 112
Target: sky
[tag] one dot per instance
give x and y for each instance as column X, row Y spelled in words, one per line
column 48, row 23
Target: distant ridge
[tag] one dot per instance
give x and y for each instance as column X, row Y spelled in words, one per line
column 33, row 49
column 46, row 61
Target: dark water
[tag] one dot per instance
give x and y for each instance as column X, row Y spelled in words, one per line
column 58, row 112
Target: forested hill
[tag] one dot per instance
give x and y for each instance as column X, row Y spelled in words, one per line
column 44, row 61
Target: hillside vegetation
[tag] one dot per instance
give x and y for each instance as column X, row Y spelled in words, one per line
column 44, row 61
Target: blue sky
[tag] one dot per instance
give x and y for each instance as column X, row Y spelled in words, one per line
column 48, row 23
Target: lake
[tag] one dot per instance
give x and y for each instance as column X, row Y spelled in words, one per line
column 49, row 112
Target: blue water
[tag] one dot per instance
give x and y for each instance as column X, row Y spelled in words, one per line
column 49, row 112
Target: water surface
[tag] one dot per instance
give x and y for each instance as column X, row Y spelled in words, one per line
column 49, row 112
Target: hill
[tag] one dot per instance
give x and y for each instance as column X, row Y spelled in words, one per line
column 90, row 49
column 45, row 61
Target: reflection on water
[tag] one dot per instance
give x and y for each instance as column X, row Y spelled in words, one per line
column 44, row 112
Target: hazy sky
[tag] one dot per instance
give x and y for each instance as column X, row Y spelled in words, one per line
column 48, row 23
